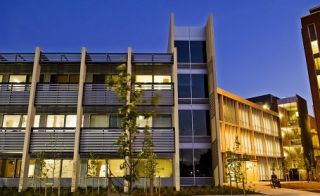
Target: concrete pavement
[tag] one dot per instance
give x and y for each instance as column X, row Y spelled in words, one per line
column 265, row 188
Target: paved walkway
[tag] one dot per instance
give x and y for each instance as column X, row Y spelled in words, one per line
column 264, row 188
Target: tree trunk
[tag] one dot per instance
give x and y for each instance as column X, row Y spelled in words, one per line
column 151, row 185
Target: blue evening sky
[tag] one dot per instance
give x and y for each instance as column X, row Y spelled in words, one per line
column 258, row 42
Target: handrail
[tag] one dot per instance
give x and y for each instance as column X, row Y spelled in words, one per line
column 16, row 57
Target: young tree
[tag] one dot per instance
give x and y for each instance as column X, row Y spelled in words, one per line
column 128, row 113
column 234, row 165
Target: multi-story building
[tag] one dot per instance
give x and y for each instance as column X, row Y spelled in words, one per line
column 296, row 137
column 311, row 40
column 57, row 106
column 297, row 132
column 258, row 132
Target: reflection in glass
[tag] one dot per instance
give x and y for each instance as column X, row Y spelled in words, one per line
column 201, row 122
column 185, row 122
column 184, row 86
column 186, row 163
column 199, row 86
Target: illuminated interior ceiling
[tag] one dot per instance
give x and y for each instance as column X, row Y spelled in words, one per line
column 289, row 106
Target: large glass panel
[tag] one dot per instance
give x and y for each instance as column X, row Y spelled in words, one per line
column 114, row 166
column 203, row 162
column 184, row 86
column 312, row 32
column 183, row 53
column 71, row 121
column 99, row 121
column 142, row 122
column 1, row 76
column 201, row 122
column 55, row 121
column 7, row 168
column 186, row 163
column 185, row 122
column 51, row 168
column 162, row 79
column 144, row 79
column 59, row 78
column 11, row 120
column 36, row 121
column 317, row 63
column 74, row 78
column 67, row 168
column 198, row 51
column 18, row 168
column 114, row 121
column 31, row 168
column 164, row 168
column 162, row 120
column 315, row 47
column 18, row 79
column 199, row 86
column 97, row 168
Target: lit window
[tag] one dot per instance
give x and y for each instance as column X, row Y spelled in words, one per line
column 36, row 121
column 317, row 63
column 144, row 79
column 11, row 120
column 1, row 78
column 67, row 168
column 114, row 168
column 315, row 47
column 31, row 168
column 71, row 120
column 142, row 122
column 55, row 121
column 99, row 121
column 18, row 79
column 162, row 79
column 51, row 168
column 96, row 168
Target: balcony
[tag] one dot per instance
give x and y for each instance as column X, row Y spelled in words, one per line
column 59, row 58
column 152, row 58
column 100, row 94
column 11, row 139
column 57, row 94
column 52, row 140
column 16, row 57
column 14, row 93
column 102, row 140
column 156, row 94
column 106, row 57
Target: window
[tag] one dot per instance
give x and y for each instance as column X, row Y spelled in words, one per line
column 7, row 168
column 313, row 39
column 71, row 121
column 163, row 169
column 67, row 166
column 144, row 79
column 203, row 162
column 198, row 51
column 114, row 121
column 99, row 121
column 114, row 166
column 96, row 168
column 1, row 76
column 18, row 121
column 183, row 53
column 162, row 79
column 142, row 122
column 184, row 86
column 185, row 122
column 102, row 78
column 186, row 163
column 199, row 86
column 317, row 63
column 65, row 78
column 162, row 120
column 201, row 122
column 18, row 79
column 55, row 120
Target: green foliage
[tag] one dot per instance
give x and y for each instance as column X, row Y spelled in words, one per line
column 92, row 166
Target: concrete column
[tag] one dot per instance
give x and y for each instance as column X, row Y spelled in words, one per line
column 23, row 182
column 128, row 100
column 76, row 155
column 175, row 122
column 214, row 107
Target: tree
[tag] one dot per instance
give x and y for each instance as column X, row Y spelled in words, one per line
column 234, row 165
column 128, row 114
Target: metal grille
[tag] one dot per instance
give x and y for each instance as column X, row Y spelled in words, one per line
column 11, row 139
column 102, row 140
column 100, row 94
column 156, row 94
column 14, row 93
column 106, row 57
column 56, row 94
column 16, row 57
column 52, row 140
column 152, row 58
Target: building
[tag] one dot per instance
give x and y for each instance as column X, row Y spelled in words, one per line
column 296, row 137
column 297, row 132
column 57, row 106
column 311, row 40
column 258, row 131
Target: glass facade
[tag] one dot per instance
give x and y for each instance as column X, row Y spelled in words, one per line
column 193, row 86
column 191, row 51
column 195, row 163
